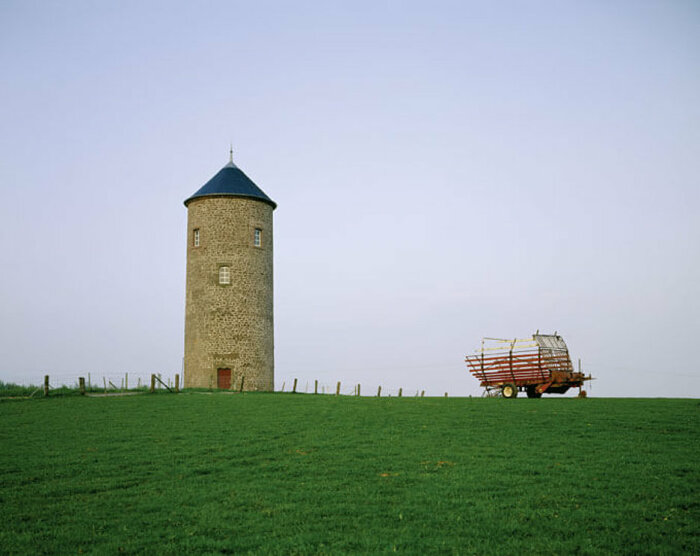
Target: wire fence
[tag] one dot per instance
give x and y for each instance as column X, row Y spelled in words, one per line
column 113, row 382
column 348, row 389
column 99, row 381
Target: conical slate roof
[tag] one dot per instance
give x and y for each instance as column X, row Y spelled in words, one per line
column 232, row 182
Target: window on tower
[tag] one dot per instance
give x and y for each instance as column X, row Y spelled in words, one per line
column 257, row 237
column 224, row 275
column 195, row 237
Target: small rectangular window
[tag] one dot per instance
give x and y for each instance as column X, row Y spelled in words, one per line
column 257, row 238
column 195, row 237
column 224, row 275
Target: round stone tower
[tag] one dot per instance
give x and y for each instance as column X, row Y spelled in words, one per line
column 228, row 312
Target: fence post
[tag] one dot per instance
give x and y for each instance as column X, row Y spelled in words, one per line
column 89, row 382
column 337, row 389
column 358, row 389
column 126, row 381
column 445, row 394
column 315, row 386
column 379, row 392
column 283, row 384
column 177, row 383
column 81, row 383
column 46, row 385
column 104, row 380
column 422, row 393
column 153, row 383
column 294, row 388
column 242, row 382
column 400, row 392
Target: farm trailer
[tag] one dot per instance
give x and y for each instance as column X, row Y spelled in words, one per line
column 536, row 365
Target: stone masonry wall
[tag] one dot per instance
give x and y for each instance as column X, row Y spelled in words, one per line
column 229, row 326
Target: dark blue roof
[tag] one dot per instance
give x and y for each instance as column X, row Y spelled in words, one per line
column 231, row 181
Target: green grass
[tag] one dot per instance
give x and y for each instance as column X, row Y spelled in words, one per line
column 294, row 474
column 12, row 390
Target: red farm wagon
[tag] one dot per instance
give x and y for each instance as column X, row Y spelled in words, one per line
column 536, row 365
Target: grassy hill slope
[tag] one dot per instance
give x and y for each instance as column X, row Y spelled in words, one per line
column 285, row 474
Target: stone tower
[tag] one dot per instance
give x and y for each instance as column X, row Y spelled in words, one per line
column 228, row 309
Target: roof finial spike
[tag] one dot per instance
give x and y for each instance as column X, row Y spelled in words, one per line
column 230, row 154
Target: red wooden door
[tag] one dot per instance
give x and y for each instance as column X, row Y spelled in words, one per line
column 223, row 379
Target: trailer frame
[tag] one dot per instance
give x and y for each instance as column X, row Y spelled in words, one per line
column 537, row 365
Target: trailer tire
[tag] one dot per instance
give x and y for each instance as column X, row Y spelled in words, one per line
column 509, row 391
column 533, row 393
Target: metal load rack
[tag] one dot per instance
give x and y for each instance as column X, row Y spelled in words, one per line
column 536, row 365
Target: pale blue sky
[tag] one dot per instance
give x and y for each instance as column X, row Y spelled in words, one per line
column 443, row 170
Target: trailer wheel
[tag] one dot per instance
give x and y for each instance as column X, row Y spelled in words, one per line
column 509, row 391
column 533, row 393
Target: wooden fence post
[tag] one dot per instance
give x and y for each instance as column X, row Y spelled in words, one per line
column 177, row 383
column 379, row 392
column 445, row 394
column 89, row 382
column 337, row 389
column 126, row 381
column 104, row 380
column 315, row 386
column 358, row 389
column 422, row 393
column 46, row 385
column 283, row 384
column 294, row 388
column 153, row 383
column 81, row 384
column 400, row 392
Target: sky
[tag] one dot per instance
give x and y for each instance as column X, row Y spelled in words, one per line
column 443, row 171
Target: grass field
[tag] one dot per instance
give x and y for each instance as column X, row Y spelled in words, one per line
column 295, row 474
